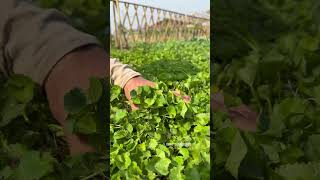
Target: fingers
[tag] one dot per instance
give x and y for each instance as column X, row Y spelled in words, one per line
column 186, row 99
column 141, row 82
column 151, row 84
column 176, row 93
column 217, row 100
column 244, row 118
column 137, row 82
column 134, row 107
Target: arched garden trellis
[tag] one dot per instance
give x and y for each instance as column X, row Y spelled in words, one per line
column 140, row 23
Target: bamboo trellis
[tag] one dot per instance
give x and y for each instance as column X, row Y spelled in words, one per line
column 140, row 23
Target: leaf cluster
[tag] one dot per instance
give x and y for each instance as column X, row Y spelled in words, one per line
column 167, row 137
column 266, row 56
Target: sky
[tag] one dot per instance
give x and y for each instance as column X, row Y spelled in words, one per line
column 182, row 6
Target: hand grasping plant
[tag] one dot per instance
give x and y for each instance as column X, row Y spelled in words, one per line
column 139, row 81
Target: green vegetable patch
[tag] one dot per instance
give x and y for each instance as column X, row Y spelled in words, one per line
column 166, row 137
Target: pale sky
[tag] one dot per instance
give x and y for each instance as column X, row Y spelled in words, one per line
column 181, row 6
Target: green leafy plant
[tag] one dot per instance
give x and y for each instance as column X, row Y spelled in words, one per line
column 266, row 56
column 167, row 137
column 32, row 144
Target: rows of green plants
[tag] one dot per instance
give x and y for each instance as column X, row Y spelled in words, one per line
column 266, row 55
column 167, row 137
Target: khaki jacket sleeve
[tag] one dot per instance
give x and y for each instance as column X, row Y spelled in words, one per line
column 33, row 40
column 121, row 73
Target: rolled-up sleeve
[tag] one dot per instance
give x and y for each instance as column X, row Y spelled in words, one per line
column 121, row 73
column 34, row 40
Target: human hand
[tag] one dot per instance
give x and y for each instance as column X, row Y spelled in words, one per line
column 133, row 84
column 242, row 116
column 186, row 99
column 139, row 81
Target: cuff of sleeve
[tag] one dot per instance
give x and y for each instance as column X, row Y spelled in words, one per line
column 45, row 67
column 127, row 77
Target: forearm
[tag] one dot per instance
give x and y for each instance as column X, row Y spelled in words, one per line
column 74, row 70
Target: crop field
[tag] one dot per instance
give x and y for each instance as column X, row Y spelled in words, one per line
column 266, row 55
column 166, row 137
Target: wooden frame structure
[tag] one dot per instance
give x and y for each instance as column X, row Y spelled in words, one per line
column 140, row 23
